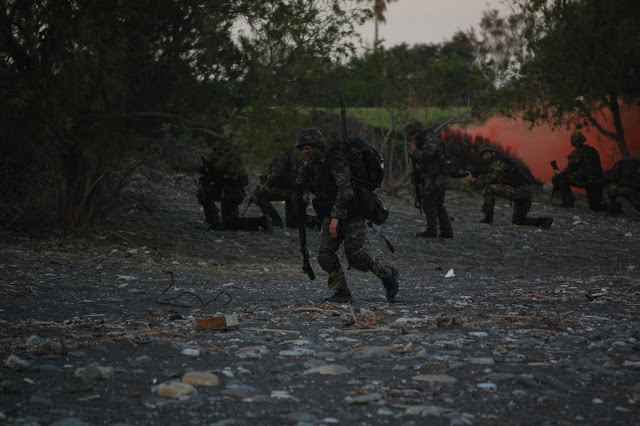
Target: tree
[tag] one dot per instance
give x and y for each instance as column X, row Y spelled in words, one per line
column 582, row 58
column 83, row 83
column 379, row 7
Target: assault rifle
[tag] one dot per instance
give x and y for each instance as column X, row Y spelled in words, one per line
column 417, row 189
column 478, row 172
column 554, row 165
column 203, row 182
column 302, row 230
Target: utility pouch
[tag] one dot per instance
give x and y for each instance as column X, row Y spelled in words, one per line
column 380, row 212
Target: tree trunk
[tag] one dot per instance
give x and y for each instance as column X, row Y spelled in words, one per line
column 614, row 106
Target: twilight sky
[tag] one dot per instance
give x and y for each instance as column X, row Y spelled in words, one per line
column 429, row 21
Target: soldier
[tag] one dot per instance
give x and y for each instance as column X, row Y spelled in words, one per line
column 327, row 176
column 431, row 174
column 512, row 180
column 223, row 179
column 279, row 184
column 623, row 180
column 583, row 171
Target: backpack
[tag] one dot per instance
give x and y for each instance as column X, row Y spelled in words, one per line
column 517, row 173
column 367, row 166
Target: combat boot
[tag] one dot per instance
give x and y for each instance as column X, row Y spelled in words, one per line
column 342, row 295
column 445, row 235
column 546, row 223
column 276, row 220
column 266, row 224
column 391, row 283
column 614, row 209
column 487, row 219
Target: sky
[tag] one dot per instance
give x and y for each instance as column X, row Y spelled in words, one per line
column 429, row 21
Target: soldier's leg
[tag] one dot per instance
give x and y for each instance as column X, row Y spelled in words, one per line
column 359, row 259
column 328, row 258
column 429, row 195
column 489, row 203
column 594, row 197
column 520, row 209
column 614, row 208
column 287, row 195
column 443, row 216
column 263, row 200
column 633, row 197
column 561, row 182
column 212, row 215
column 232, row 221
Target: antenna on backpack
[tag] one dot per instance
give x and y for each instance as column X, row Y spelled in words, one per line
column 343, row 114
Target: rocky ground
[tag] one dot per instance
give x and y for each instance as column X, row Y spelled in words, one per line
column 499, row 325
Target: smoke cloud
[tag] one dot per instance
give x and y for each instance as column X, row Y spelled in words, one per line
column 539, row 145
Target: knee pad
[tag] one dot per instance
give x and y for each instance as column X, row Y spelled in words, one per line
column 326, row 262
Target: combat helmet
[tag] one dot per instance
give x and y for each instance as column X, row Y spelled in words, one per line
column 488, row 147
column 414, row 126
column 577, row 138
column 311, row 137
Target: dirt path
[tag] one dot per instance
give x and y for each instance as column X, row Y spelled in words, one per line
column 499, row 325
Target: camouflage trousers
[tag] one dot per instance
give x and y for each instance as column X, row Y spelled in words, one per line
column 614, row 190
column 432, row 200
column 265, row 196
column 351, row 232
column 563, row 183
column 520, row 196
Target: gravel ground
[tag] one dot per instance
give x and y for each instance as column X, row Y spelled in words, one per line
column 499, row 325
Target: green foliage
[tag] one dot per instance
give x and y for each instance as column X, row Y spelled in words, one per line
column 581, row 57
column 86, row 83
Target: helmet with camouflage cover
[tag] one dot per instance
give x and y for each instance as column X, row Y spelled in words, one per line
column 577, row 138
column 311, row 137
column 488, row 147
column 414, row 126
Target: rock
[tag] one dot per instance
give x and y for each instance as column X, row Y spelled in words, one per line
column 200, row 378
column 363, row 399
column 435, row 378
column 16, row 363
column 176, row 390
column 331, row 369
column 94, row 372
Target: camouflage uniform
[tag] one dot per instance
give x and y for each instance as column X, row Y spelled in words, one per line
column 223, row 178
column 279, row 184
column 328, row 178
column 623, row 180
column 432, row 172
column 583, row 171
column 511, row 180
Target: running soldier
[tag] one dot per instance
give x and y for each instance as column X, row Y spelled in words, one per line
column 337, row 199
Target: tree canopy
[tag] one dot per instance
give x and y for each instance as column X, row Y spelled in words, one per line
column 582, row 57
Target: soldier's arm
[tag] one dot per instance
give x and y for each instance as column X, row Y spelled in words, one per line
column 572, row 163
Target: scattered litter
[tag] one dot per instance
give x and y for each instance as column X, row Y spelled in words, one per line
column 224, row 321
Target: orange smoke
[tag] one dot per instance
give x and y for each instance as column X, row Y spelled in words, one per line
column 539, row 145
